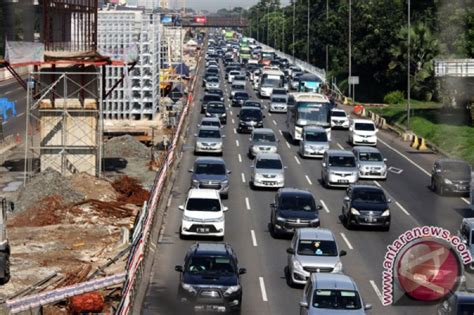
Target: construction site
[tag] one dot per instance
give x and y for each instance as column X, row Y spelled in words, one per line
column 103, row 91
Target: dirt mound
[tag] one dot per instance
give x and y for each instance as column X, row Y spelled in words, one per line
column 126, row 146
column 47, row 211
column 130, row 191
column 46, row 184
column 93, row 188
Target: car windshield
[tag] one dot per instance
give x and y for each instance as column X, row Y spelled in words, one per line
column 312, row 114
column 209, row 168
column 215, row 108
column 336, row 299
column 458, row 168
column 213, row 123
column 210, row 264
column 274, row 164
column 213, row 79
column 314, row 136
column 370, row 156
column 368, row 196
column 241, row 95
column 211, row 97
column 201, row 204
column 278, row 100
column 267, row 82
column 239, row 78
column 342, row 161
column 264, row 137
column 209, row 133
column 238, row 87
column 216, row 92
column 255, row 114
column 279, row 92
column 364, row 126
column 338, row 114
column 298, row 203
column 252, row 104
column 317, row 248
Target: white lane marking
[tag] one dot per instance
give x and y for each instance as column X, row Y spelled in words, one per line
column 346, row 240
column 247, row 203
column 269, row 114
column 406, row 157
column 376, row 289
column 235, row 131
column 324, row 206
column 169, row 201
column 402, row 208
column 233, row 121
column 281, row 133
column 254, row 239
column 297, row 161
column 274, row 122
column 240, row 158
column 262, row 289
column 395, row 170
column 231, row 113
column 377, row 183
column 243, row 178
column 288, row 145
column 237, row 142
column 309, row 180
column 465, row 200
column 340, row 146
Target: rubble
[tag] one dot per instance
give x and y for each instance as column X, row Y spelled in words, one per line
column 127, row 147
column 93, row 188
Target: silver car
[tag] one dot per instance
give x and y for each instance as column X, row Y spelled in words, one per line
column 312, row 250
column 212, row 83
column 209, row 140
column 331, row 294
column 279, row 103
column 262, row 140
column 370, row 162
column 339, row 169
column 268, row 171
column 314, row 142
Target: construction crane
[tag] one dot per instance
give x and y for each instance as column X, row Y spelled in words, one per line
column 4, row 245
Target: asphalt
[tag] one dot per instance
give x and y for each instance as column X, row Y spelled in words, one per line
column 265, row 289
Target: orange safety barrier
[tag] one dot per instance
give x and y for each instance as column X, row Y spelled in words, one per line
column 358, row 109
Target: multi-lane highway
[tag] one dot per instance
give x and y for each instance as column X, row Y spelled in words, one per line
column 265, row 289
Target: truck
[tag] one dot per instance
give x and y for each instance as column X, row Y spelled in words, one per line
column 270, row 78
column 4, row 244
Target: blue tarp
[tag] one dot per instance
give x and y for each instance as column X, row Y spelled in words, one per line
column 5, row 107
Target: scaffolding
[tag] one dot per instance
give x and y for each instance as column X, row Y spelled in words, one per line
column 64, row 124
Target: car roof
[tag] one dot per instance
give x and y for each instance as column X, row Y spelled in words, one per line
column 209, row 128
column 339, row 152
column 210, row 119
column 293, row 191
column 365, row 149
column 268, row 156
column 263, row 130
column 315, row 234
column 204, row 248
column 210, row 159
column 314, row 128
column 363, row 121
column 366, row 187
column 337, row 281
column 203, row 193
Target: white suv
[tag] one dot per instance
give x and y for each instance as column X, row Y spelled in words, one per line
column 203, row 214
column 339, row 119
column 363, row 132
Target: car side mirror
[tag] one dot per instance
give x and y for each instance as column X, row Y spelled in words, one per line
column 195, row 134
column 229, row 172
column 181, row 207
column 324, row 164
column 376, row 130
column 367, row 307
column 389, row 200
column 238, row 115
column 190, row 170
column 342, row 253
column 263, row 116
column 346, row 198
column 285, row 167
column 290, row 251
column 319, row 207
column 438, row 170
column 225, row 209
column 250, row 139
column 385, row 159
column 272, row 205
column 223, row 136
column 304, row 304
column 242, row 271
column 178, row 268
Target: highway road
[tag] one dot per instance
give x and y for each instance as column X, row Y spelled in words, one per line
column 13, row 91
column 265, row 289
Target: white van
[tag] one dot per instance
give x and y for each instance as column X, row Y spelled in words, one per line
column 363, row 132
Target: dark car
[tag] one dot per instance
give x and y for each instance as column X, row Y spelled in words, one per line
column 249, row 119
column 458, row 303
column 210, row 278
column 217, row 109
column 211, row 173
column 213, row 70
column 366, row 205
column 207, row 99
column 216, row 91
column 292, row 209
column 239, row 98
column 451, row 176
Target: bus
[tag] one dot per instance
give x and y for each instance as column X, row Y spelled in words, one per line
column 269, row 79
column 244, row 54
column 307, row 109
column 309, row 82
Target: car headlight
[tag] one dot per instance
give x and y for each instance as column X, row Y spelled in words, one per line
column 188, row 287
column 232, row 289
column 386, row 213
column 258, row 176
column 315, row 220
column 338, row 267
column 220, row 219
column 447, row 181
column 224, row 115
column 195, row 182
column 281, row 219
column 355, row 211
column 297, row 265
column 219, row 144
column 186, row 218
column 225, row 182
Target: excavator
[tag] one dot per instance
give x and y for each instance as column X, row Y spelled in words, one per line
column 4, row 245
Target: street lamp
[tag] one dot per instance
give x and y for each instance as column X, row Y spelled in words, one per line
column 294, row 13
column 408, row 67
column 327, row 46
column 307, row 40
column 350, row 48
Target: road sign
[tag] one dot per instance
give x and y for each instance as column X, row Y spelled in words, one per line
column 353, row 80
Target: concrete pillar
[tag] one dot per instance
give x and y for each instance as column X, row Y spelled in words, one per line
column 9, row 20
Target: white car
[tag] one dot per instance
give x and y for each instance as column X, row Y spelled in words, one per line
column 339, row 119
column 231, row 75
column 363, row 132
column 268, row 171
column 203, row 214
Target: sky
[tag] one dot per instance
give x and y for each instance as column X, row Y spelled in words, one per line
column 214, row 5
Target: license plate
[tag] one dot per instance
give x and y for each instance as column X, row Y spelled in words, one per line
column 343, row 181
column 268, row 183
column 370, row 220
column 202, row 230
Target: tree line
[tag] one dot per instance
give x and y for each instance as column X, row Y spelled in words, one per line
column 439, row 29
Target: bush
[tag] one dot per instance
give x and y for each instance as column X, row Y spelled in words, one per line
column 394, row 97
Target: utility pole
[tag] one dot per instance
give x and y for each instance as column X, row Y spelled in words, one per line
column 408, row 67
column 283, row 33
column 307, row 40
column 327, row 46
column 258, row 26
column 268, row 19
column 294, row 15
column 350, row 48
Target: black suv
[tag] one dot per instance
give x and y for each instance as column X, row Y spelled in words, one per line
column 249, row 119
column 366, row 205
column 239, row 98
column 451, row 176
column 207, row 99
column 292, row 209
column 210, row 278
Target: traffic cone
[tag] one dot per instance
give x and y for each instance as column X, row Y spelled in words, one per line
column 415, row 142
column 422, row 146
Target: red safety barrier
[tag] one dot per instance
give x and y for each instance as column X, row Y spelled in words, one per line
column 358, row 109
